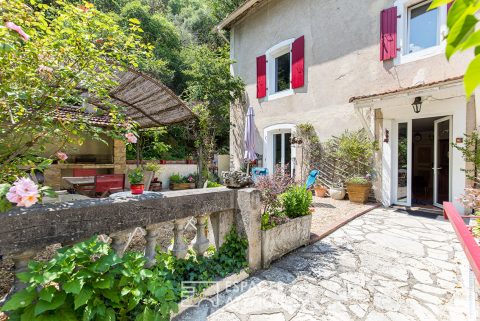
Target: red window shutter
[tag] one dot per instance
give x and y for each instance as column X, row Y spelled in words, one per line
column 298, row 63
column 261, row 76
column 388, row 34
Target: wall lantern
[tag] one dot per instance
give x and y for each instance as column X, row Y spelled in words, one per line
column 417, row 105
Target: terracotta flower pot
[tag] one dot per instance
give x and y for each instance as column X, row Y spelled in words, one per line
column 137, row 189
column 320, row 191
column 358, row 193
column 179, row 186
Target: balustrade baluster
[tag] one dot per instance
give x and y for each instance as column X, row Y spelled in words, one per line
column 20, row 261
column 151, row 238
column 201, row 242
column 119, row 241
column 179, row 248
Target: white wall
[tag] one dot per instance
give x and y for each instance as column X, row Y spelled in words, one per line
column 169, row 169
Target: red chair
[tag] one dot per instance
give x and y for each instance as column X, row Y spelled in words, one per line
column 82, row 172
column 107, row 184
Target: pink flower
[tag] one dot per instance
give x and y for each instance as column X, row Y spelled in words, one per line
column 10, row 25
column 25, row 187
column 24, row 192
column 62, row 156
column 45, row 69
column 12, row 195
column 28, row 201
column 131, row 138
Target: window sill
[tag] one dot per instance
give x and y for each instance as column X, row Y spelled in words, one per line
column 280, row 94
column 419, row 55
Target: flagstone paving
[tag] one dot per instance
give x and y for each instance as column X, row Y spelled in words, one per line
column 384, row 266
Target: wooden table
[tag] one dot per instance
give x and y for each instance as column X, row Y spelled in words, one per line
column 81, row 181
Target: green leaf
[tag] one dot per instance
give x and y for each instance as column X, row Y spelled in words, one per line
column 472, row 41
column 19, row 300
column 438, row 3
column 135, row 21
column 73, row 286
column 47, row 294
column 4, row 188
column 82, row 297
column 459, row 33
column 110, row 315
column 56, row 302
column 87, row 313
column 471, row 78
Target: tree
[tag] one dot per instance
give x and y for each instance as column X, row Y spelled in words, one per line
column 52, row 57
column 462, row 36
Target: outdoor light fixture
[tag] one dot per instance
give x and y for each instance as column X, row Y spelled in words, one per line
column 417, row 105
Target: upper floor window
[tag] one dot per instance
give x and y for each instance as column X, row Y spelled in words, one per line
column 423, row 28
column 281, row 70
column 409, row 31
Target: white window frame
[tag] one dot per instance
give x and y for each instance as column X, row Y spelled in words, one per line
column 403, row 10
column 268, row 145
column 273, row 53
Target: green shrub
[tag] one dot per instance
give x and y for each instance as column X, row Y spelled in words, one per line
column 152, row 166
column 176, row 179
column 358, row 180
column 296, row 201
column 89, row 281
column 211, row 184
column 136, row 176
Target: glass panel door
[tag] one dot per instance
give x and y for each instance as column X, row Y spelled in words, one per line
column 402, row 165
column 441, row 161
column 282, row 151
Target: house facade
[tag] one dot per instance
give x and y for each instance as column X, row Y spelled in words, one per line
column 350, row 64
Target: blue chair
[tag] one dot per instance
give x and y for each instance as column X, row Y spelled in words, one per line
column 258, row 171
column 312, row 177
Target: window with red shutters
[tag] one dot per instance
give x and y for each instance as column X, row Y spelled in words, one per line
column 298, row 63
column 261, row 76
column 388, row 34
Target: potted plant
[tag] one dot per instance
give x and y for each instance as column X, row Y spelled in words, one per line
column 135, row 177
column 286, row 218
column 320, row 189
column 177, row 182
column 189, row 159
column 190, row 179
column 156, row 185
column 358, row 189
column 337, row 191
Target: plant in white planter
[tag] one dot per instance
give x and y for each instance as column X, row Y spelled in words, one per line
column 286, row 226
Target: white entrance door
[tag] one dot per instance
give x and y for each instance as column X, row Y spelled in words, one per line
column 282, row 149
column 402, row 168
column 442, row 161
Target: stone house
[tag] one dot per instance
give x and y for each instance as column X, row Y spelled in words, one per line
column 350, row 64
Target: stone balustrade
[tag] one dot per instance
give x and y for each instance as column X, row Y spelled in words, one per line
column 26, row 231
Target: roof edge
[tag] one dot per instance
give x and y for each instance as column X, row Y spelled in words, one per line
column 406, row 89
column 237, row 14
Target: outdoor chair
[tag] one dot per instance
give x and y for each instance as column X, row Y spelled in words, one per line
column 83, row 172
column 109, row 184
column 312, row 177
column 257, row 172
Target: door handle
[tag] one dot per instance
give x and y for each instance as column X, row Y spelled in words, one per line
column 437, row 168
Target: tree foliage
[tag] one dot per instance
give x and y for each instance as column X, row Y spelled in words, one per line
column 72, row 53
column 462, row 35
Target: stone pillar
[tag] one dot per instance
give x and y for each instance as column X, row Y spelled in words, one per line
column 249, row 223
column 20, row 261
column 220, row 224
column 53, row 177
column 200, row 243
column 119, row 157
column 151, row 238
column 179, row 247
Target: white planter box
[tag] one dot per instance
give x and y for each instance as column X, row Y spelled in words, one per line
column 282, row 239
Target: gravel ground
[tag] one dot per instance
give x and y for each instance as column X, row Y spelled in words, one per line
column 329, row 211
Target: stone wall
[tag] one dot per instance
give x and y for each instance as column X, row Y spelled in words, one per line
column 26, row 231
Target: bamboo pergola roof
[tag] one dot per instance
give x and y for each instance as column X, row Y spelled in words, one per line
column 148, row 101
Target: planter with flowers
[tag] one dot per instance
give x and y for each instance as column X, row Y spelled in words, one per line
column 178, row 182
column 190, row 179
column 135, row 177
column 358, row 189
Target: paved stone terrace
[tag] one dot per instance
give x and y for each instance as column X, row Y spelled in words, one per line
column 385, row 265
